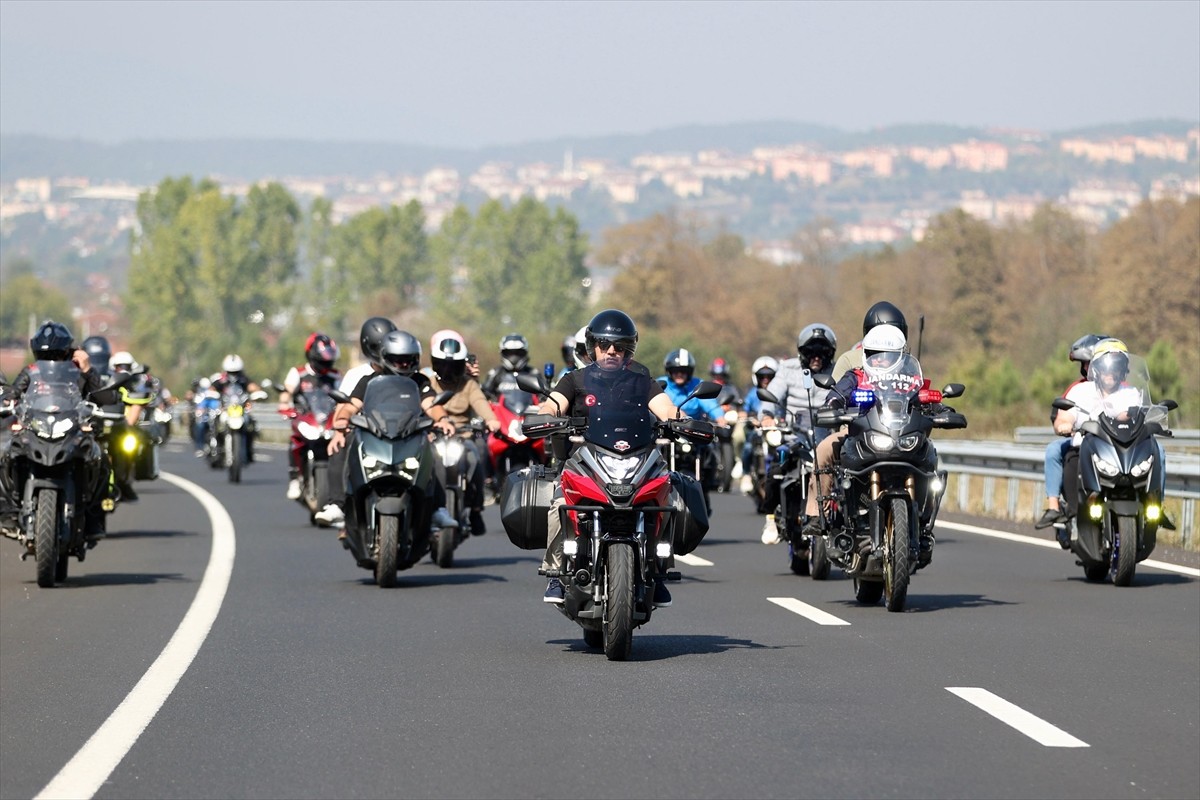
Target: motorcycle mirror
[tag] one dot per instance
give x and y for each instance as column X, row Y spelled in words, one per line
column 534, row 384
column 1062, row 404
column 1169, row 405
column 766, row 396
column 339, row 396
column 705, row 390
column 824, row 381
column 953, row 390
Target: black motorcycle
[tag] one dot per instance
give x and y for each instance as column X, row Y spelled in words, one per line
column 232, row 430
column 878, row 521
column 390, row 471
column 456, row 462
column 56, row 469
column 1121, row 477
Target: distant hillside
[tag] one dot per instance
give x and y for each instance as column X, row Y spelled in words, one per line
column 250, row 159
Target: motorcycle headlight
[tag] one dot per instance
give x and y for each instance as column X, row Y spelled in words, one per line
column 49, row 427
column 880, row 442
column 910, row 441
column 731, row 416
column 1142, row 468
column 774, row 437
column 619, row 469
column 452, row 451
column 514, row 431
column 129, row 443
column 310, row 431
column 1105, row 467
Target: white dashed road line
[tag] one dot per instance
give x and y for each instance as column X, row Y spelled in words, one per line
column 84, row 774
column 694, row 561
column 1034, row 727
column 808, row 612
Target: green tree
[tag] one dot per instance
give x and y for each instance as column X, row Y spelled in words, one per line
column 24, row 299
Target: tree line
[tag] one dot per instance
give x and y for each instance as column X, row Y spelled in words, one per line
column 211, row 274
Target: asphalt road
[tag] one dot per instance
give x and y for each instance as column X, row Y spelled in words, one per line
column 292, row 675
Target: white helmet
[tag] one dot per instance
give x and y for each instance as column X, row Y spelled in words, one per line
column 122, row 359
column 448, row 345
column 582, row 357
column 883, row 346
column 764, row 364
column 233, row 363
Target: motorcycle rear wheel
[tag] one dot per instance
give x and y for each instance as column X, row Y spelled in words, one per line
column 818, row 558
column 618, row 604
column 799, row 558
column 1125, row 537
column 46, row 536
column 867, row 592
column 895, row 562
column 444, row 550
column 389, row 543
column 1095, row 573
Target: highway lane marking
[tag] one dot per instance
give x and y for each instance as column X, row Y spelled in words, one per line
column 1016, row 717
column 694, row 561
column 87, row 771
column 808, row 612
column 1016, row 537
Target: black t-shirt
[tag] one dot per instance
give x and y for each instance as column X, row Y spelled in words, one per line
column 573, row 387
column 424, row 387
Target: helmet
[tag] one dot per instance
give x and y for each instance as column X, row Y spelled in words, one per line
column 1109, row 357
column 568, row 350
column 448, row 351
column 233, row 363
column 611, row 325
column 582, row 356
column 400, row 353
column 680, row 360
column 885, row 341
column 719, row 368
column 370, row 337
column 884, row 313
column 764, row 367
column 122, row 362
column 514, row 352
column 52, row 342
column 817, row 340
column 321, row 352
column 99, row 352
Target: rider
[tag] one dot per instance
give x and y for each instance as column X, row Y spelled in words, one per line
column 882, row 313
column 611, row 339
column 679, row 381
column 99, row 353
column 762, row 370
column 448, row 351
column 1081, row 351
column 135, row 397
column 514, row 361
column 233, row 373
column 316, row 374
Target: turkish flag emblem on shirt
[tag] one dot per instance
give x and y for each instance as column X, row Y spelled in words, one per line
column 590, row 400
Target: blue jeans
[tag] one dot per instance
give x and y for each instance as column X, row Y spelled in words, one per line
column 1054, row 465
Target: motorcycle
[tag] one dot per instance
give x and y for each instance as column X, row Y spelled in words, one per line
column 621, row 520
column 56, row 468
column 886, row 486
column 133, row 449
column 311, row 419
column 456, row 464
column 231, row 431
column 508, row 448
column 793, row 461
column 390, row 469
column 1121, row 479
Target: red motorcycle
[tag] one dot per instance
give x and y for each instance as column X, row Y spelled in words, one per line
column 509, row 448
column 312, row 418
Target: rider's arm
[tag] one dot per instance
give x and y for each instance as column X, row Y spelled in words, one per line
column 662, row 407
column 480, row 405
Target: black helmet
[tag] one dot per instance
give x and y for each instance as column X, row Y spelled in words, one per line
column 514, row 352
column 371, row 337
column 884, row 313
column 99, row 352
column 400, row 353
column 611, row 325
column 681, row 359
column 52, row 342
column 321, row 352
column 568, row 351
column 817, row 340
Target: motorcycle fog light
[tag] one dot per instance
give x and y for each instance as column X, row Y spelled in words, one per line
column 936, row 486
column 129, row 444
column 570, row 548
column 1141, row 469
column 662, row 550
column 1153, row 512
column 1096, row 511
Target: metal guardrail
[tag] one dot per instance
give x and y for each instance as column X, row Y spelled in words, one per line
column 1187, row 439
column 1018, row 464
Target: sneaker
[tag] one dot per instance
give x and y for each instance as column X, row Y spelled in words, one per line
column 293, row 490
column 330, row 514
column 1049, row 517
column 478, row 527
column 199, row 454
column 554, row 592
column 811, row 527
column 662, row 597
column 770, row 532
column 442, row 519
column 747, row 485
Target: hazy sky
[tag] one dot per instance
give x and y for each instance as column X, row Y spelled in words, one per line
column 478, row 73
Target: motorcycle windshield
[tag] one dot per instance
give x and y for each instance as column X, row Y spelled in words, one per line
column 617, row 404
column 54, row 388
column 897, row 388
column 517, row 401
column 1122, row 393
column 317, row 402
column 392, row 404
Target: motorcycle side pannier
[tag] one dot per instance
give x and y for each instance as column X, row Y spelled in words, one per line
column 692, row 519
column 524, row 507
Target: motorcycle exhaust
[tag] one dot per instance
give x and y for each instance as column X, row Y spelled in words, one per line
column 582, row 578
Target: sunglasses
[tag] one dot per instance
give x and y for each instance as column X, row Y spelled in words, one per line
column 620, row 347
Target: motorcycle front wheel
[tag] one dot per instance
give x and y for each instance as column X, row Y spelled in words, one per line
column 618, row 603
column 895, row 561
column 818, row 558
column 233, row 457
column 1124, row 537
column 443, row 554
column 389, row 543
column 46, row 537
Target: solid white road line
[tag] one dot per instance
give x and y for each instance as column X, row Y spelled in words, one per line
column 1035, row 728
column 694, row 561
column 84, row 774
column 1016, row 537
column 808, row 612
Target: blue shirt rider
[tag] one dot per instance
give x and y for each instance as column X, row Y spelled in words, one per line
column 680, row 380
